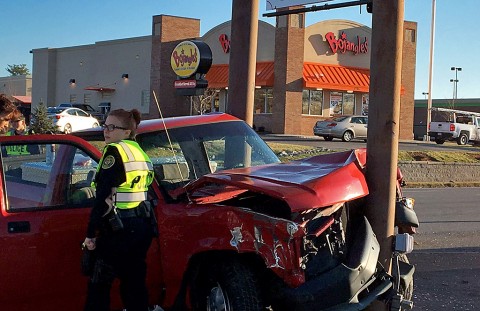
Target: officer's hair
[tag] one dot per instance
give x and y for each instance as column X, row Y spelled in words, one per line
column 130, row 119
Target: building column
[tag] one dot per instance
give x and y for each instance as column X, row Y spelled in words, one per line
column 167, row 32
column 288, row 71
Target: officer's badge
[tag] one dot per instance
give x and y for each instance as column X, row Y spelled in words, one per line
column 108, row 162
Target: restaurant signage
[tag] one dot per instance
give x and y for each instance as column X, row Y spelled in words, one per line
column 342, row 45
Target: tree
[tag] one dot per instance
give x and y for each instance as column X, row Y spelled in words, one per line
column 18, row 70
column 40, row 122
column 203, row 103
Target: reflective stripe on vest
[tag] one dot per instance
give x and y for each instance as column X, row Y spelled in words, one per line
column 130, row 196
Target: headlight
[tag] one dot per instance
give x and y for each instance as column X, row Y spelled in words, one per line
column 409, row 202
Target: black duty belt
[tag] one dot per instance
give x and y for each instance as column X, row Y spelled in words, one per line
column 142, row 210
column 127, row 213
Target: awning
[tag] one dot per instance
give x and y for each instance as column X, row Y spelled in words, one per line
column 335, row 77
column 217, row 76
column 99, row 89
column 23, row 99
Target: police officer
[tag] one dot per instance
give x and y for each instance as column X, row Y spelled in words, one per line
column 120, row 228
column 17, row 127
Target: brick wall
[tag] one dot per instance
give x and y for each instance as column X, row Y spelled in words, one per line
column 167, row 32
column 408, row 80
column 288, row 68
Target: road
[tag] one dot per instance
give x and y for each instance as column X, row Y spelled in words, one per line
column 447, row 250
column 336, row 144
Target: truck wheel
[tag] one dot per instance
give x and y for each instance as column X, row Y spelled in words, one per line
column 405, row 289
column 439, row 141
column 462, row 139
column 226, row 286
column 347, row 136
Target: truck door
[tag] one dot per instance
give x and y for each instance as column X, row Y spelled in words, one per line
column 477, row 131
column 45, row 204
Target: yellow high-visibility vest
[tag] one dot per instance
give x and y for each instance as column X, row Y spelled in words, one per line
column 138, row 171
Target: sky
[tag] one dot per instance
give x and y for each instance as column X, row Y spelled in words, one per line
column 34, row 24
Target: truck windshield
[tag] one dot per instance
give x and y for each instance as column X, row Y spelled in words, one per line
column 207, row 148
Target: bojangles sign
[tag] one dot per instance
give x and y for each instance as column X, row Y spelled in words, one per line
column 343, row 45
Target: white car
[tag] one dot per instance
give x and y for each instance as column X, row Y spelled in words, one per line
column 71, row 119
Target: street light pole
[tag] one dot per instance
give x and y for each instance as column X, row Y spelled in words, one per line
column 455, row 84
column 430, row 71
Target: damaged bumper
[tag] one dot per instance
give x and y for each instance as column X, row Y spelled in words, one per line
column 352, row 285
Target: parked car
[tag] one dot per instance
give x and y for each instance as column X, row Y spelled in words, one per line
column 238, row 230
column 344, row 127
column 71, row 119
column 85, row 107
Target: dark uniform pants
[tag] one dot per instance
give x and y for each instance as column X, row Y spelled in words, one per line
column 121, row 255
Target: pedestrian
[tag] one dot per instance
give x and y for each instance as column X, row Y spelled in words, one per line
column 17, row 124
column 120, row 226
column 6, row 111
column 18, row 127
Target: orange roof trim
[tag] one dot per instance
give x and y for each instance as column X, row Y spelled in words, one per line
column 217, row 76
column 334, row 77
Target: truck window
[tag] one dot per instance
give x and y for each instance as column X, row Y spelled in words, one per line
column 54, row 176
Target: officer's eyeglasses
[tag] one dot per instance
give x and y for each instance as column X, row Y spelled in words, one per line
column 111, row 127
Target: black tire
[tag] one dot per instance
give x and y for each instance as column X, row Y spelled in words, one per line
column 439, row 141
column 226, row 286
column 67, row 129
column 328, row 138
column 405, row 289
column 347, row 136
column 462, row 139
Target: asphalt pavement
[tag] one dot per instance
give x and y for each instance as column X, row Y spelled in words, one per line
column 447, row 252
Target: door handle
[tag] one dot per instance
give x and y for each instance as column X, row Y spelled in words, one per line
column 18, row 226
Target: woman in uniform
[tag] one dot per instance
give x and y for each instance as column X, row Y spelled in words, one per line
column 120, row 228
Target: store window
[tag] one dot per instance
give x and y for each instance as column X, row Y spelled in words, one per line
column 365, row 99
column 263, row 100
column 342, row 103
column 312, row 102
column 87, row 99
column 349, row 103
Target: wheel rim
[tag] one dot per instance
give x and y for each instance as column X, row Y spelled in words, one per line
column 347, row 136
column 217, row 300
column 67, row 129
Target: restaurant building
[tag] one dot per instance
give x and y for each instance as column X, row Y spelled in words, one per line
column 303, row 74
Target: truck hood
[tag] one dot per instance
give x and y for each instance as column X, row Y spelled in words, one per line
column 315, row 182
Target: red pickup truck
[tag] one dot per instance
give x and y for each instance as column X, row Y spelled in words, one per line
column 238, row 230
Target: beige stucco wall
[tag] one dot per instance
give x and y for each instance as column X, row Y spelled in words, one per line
column 317, row 49
column 265, row 46
column 100, row 65
column 16, row 85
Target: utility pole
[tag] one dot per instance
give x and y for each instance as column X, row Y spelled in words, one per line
column 243, row 59
column 383, row 127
